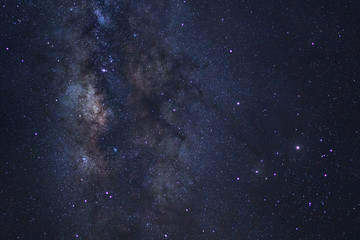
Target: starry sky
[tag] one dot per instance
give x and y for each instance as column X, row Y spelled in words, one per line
column 179, row 119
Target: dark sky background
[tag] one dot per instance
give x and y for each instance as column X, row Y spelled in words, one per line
column 179, row 119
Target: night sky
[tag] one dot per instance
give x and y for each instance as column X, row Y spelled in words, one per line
column 169, row 119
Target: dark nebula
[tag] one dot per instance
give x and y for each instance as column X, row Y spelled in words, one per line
column 179, row 120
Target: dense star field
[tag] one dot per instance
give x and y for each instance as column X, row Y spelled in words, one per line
column 169, row 119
